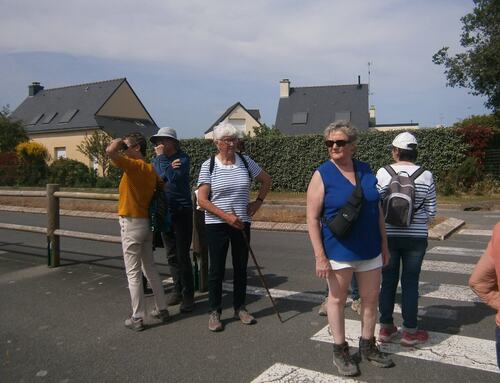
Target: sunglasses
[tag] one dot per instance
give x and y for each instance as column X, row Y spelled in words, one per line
column 339, row 143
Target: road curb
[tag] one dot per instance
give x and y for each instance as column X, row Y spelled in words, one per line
column 444, row 229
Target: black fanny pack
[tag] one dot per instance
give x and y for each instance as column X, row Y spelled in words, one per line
column 345, row 218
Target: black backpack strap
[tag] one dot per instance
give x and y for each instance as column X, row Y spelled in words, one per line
column 390, row 170
column 417, row 173
column 245, row 162
column 212, row 164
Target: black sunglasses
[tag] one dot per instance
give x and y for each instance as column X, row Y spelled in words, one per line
column 339, row 143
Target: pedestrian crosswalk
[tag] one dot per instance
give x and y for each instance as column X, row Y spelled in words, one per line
column 446, row 348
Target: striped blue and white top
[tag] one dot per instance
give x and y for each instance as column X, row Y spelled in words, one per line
column 230, row 187
column 425, row 200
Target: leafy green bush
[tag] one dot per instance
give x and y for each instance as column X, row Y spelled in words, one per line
column 71, row 173
column 32, row 166
column 291, row 160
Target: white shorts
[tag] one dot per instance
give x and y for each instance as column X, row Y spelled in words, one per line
column 358, row 266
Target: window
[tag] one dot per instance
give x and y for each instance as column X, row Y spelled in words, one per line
column 344, row 115
column 60, row 152
column 238, row 123
column 68, row 115
column 49, row 117
column 35, row 119
column 299, row 118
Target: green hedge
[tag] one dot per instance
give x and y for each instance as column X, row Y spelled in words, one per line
column 291, row 160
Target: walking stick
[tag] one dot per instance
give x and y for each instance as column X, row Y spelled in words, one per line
column 260, row 272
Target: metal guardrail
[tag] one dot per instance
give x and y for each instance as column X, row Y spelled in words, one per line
column 53, row 231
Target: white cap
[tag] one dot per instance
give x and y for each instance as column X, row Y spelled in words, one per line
column 405, row 140
column 164, row 132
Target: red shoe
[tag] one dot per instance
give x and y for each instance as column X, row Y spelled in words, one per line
column 411, row 339
column 385, row 334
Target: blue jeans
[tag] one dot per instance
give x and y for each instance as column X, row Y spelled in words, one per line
column 410, row 252
column 219, row 236
column 497, row 333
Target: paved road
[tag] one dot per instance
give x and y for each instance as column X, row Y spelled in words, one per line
column 65, row 324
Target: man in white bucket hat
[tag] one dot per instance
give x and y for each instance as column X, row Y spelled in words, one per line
column 172, row 165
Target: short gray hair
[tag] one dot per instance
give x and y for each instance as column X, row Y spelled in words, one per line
column 225, row 129
column 343, row 126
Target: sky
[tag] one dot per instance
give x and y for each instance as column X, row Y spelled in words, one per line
column 188, row 61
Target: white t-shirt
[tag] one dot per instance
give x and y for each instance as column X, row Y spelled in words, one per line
column 230, row 187
column 425, row 200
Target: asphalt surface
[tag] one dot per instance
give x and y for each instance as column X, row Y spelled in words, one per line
column 66, row 324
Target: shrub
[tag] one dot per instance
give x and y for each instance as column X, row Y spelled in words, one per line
column 291, row 160
column 32, row 168
column 8, row 168
column 71, row 173
column 478, row 139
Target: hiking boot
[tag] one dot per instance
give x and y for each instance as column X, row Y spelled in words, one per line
column 387, row 334
column 369, row 350
column 322, row 309
column 356, row 305
column 343, row 360
column 244, row 316
column 187, row 304
column 411, row 339
column 134, row 324
column 214, row 323
column 174, row 299
column 163, row 315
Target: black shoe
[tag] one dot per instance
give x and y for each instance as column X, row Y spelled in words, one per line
column 187, row 304
column 174, row 299
column 368, row 350
column 343, row 360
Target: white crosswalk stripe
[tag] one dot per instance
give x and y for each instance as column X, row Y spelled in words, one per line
column 475, row 232
column 444, row 348
column 448, row 267
column 284, row 373
column 456, row 251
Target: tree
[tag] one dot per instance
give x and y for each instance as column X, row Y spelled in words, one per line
column 266, row 131
column 94, row 147
column 478, row 68
column 11, row 132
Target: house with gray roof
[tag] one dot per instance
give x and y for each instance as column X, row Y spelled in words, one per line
column 309, row 110
column 60, row 118
column 245, row 120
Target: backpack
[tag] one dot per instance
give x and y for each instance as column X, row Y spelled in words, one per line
column 159, row 215
column 211, row 170
column 399, row 202
column 242, row 158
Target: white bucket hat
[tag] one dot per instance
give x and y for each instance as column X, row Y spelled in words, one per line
column 164, row 133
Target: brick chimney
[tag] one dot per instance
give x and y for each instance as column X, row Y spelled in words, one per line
column 284, row 88
column 34, row 88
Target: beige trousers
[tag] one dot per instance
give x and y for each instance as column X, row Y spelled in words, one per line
column 137, row 244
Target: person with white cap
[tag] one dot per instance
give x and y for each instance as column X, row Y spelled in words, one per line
column 407, row 242
column 172, row 165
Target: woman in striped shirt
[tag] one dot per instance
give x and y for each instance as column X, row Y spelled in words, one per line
column 223, row 192
column 407, row 245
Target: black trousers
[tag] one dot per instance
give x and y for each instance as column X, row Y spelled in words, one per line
column 177, row 244
column 219, row 236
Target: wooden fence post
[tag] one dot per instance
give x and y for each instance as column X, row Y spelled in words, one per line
column 53, row 248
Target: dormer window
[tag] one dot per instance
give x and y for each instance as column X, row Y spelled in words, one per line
column 299, row 118
column 35, row 119
column 68, row 116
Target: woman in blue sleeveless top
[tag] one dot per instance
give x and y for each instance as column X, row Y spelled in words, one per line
column 363, row 251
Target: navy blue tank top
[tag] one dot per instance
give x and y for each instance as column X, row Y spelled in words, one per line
column 364, row 241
